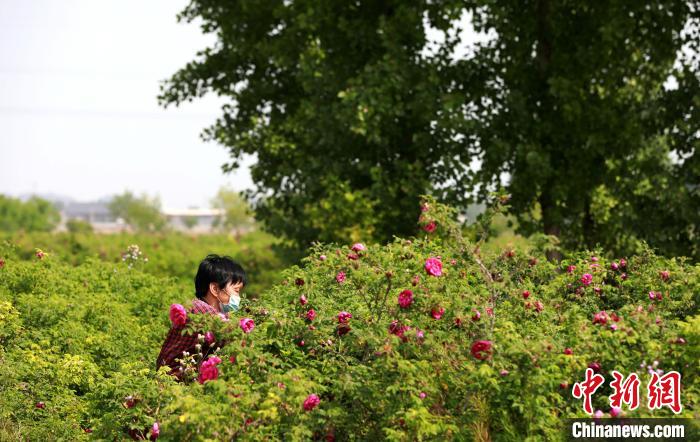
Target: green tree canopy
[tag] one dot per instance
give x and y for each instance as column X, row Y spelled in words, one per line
column 141, row 213
column 577, row 109
column 33, row 215
column 351, row 119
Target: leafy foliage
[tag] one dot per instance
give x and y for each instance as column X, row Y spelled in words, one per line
column 83, row 340
column 170, row 255
column 33, row 215
column 588, row 112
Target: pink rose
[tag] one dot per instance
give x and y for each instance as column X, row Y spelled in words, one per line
column 600, row 318
column 155, row 431
column 399, row 330
column 311, row 402
column 476, row 316
column 340, row 277
column 405, row 298
column 430, row 227
column 311, row 315
column 614, row 266
column 586, row 279
column 615, row 411
column 343, row 329
column 343, row 317
column 623, row 276
column 246, row 324
column 568, row 351
column 539, row 306
column 209, row 337
column 437, row 312
column 623, row 263
column 208, row 371
column 302, row 300
column 420, row 334
column 570, row 269
column 613, row 327
column 353, row 256
column 594, row 258
column 595, row 366
column 481, row 349
column 665, row 275
column 178, row 315
column 526, row 294
column 433, row 266
column 422, row 395
column 358, row 247
column 504, row 372
column 322, row 257
column 598, row 414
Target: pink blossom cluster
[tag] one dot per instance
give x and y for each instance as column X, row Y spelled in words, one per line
column 397, row 329
column 178, row 315
column 437, row 312
column 246, row 324
column 344, row 317
column 311, row 315
column 481, row 349
column 405, row 298
column 433, row 266
column 586, row 279
column 208, row 371
column 600, row 318
column 311, row 402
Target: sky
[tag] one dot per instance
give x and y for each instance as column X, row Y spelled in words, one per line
column 79, row 115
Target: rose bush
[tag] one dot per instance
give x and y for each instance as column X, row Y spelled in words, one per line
column 371, row 363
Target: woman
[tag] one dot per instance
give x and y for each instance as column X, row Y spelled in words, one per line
column 218, row 284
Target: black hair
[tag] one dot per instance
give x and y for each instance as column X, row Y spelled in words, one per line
column 218, row 269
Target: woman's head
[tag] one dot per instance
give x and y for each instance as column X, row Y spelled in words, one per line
column 221, row 275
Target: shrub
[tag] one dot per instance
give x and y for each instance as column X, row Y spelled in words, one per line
column 469, row 357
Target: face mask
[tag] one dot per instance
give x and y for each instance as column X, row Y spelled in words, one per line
column 232, row 306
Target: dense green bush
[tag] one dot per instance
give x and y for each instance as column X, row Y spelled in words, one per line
column 171, row 254
column 83, row 341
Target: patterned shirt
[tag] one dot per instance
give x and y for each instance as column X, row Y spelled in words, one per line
column 176, row 343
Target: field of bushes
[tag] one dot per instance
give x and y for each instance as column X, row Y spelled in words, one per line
column 437, row 337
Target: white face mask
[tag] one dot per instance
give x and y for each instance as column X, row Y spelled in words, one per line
column 234, row 302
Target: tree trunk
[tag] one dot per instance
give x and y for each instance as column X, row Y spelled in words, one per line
column 550, row 221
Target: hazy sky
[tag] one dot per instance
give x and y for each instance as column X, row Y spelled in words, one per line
column 78, row 109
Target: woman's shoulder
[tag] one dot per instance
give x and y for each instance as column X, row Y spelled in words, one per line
column 200, row 306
